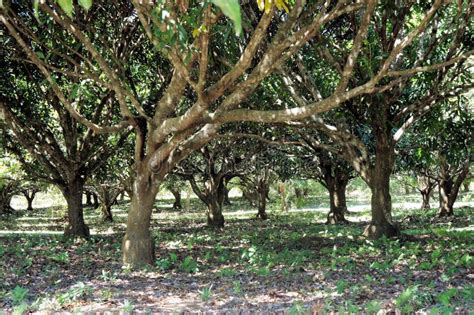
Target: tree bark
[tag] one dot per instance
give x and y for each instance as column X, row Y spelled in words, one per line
column 425, row 195
column 381, row 202
column 88, row 199
column 29, row 199
column 250, row 196
column 337, row 199
column 465, row 187
column 107, row 197
column 138, row 246
column 215, row 219
column 282, row 190
column 5, row 204
column 73, row 194
column 263, row 189
column 445, row 204
column 177, row 198
column 106, row 210
column 449, row 184
column 95, row 203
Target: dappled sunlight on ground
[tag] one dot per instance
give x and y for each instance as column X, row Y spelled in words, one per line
column 290, row 262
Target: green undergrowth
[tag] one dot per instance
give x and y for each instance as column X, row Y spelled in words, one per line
column 332, row 268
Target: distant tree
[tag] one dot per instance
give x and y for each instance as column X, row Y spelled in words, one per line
column 441, row 150
column 207, row 171
column 187, row 77
column 175, row 185
column 29, row 189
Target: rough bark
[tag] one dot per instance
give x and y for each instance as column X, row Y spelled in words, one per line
column 215, row 219
column 445, row 204
column 381, row 202
column 138, row 245
column 337, row 200
column 73, row 194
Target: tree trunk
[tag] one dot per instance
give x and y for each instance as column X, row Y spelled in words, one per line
column 95, row 204
column 449, row 184
column 88, row 199
column 298, row 192
column 215, row 218
column 76, row 226
column 465, row 187
column 337, row 200
column 445, row 206
column 30, row 196
column 5, row 201
column 138, row 245
column 381, row 202
column 250, row 196
column 107, row 199
column 106, row 210
column 177, row 198
column 262, row 200
column 425, row 195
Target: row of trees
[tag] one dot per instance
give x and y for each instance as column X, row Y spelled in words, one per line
column 346, row 79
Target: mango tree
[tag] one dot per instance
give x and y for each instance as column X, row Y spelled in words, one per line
column 192, row 74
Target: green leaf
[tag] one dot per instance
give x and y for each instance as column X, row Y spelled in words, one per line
column 86, row 4
column 231, row 8
column 66, row 5
column 36, row 8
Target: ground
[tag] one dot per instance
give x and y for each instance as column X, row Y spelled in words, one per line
column 292, row 263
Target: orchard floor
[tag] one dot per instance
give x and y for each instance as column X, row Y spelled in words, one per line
column 292, row 263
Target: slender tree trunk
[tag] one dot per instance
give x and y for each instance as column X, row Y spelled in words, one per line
column 138, row 245
column 381, row 201
column 107, row 200
column 298, row 192
column 95, row 199
column 177, row 198
column 425, row 195
column 106, row 210
column 465, row 187
column 337, row 200
column 250, row 196
column 73, row 194
column 262, row 200
column 88, row 199
column 29, row 196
